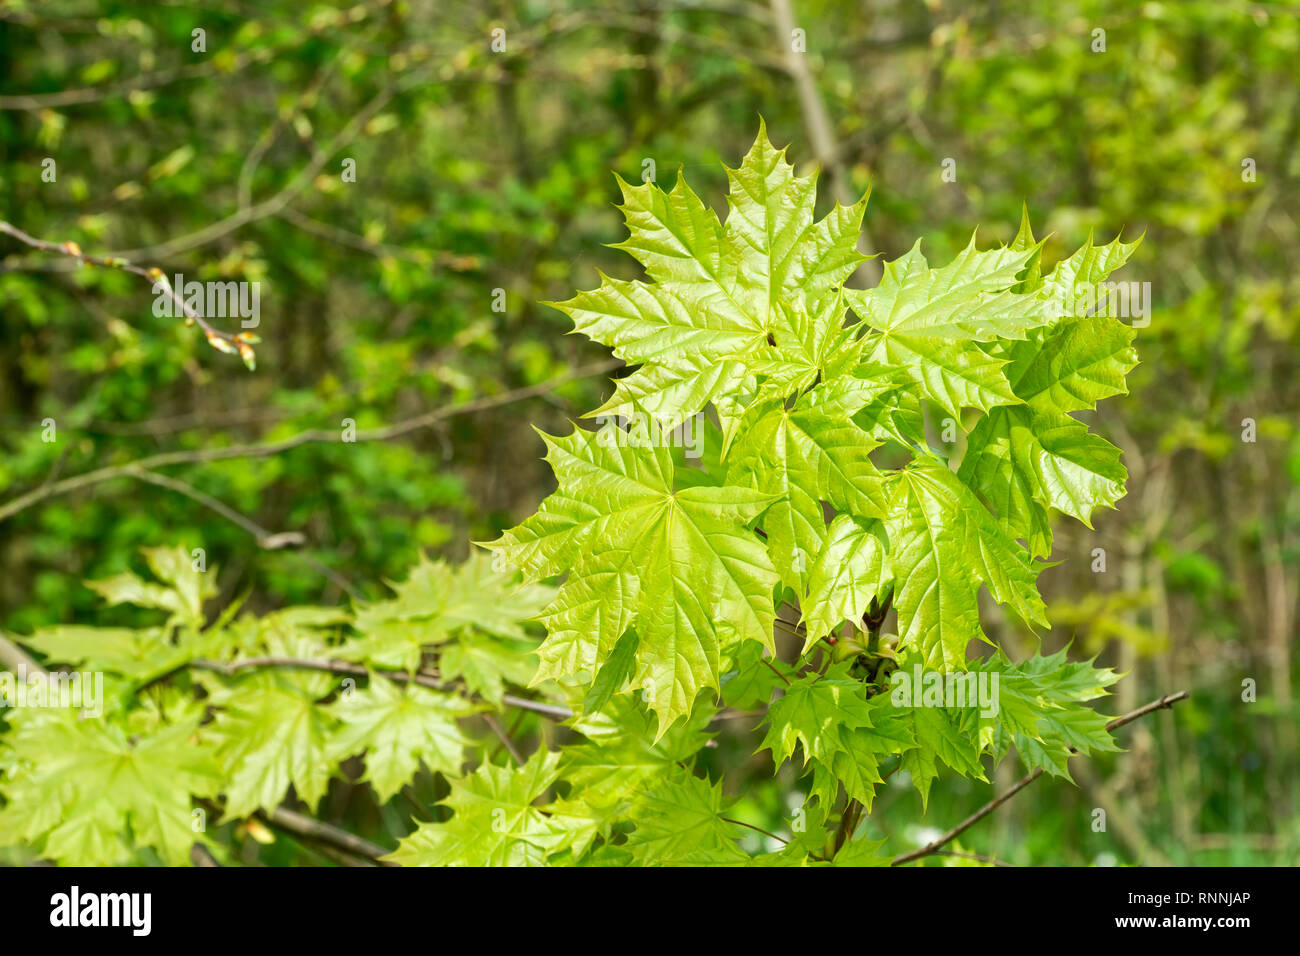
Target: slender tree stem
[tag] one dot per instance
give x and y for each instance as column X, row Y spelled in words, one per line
column 257, row 450
column 982, row 812
column 742, row 823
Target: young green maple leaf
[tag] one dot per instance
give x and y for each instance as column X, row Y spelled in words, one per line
column 727, row 301
column 272, row 735
column 399, row 728
column 439, row 602
column 679, row 823
column 802, row 455
column 849, row 570
column 928, row 322
column 1029, row 458
column 947, row 736
column 495, row 820
column 182, row 593
column 1041, row 710
column 843, row 734
column 681, row 566
column 621, row 755
column 943, row 543
column 78, row 787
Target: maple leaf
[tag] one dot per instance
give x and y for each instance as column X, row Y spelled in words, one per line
column 399, row 728
column 726, row 302
column 943, row 543
column 272, row 735
column 929, row 323
column 440, row 603
column 1040, row 710
column 802, row 455
column 702, row 577
column 843, row 734
column 182, row 592
column 678, row 823
column 1029, row 458
column 78, row 787
column 495, row 820
column 943, row 736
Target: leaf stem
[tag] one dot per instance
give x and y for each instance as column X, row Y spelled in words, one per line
column 742, row 823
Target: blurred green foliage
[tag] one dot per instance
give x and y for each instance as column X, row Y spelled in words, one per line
column 480, row 170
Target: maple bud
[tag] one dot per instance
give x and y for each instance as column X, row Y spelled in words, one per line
column 220, row 344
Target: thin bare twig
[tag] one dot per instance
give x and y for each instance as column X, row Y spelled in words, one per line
column 504, row 737
column 428, row 679
column 742, row 823
column 311, row 828
column 240, row 342
column 982, row 812
column 266, row 540
column 256, row 450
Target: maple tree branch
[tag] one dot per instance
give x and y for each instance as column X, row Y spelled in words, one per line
column 15, row 658
column 256, row 450
column 504, row 737
column 848, row 823
column 266, row 540
column 931, row 847
column 311, row 828
column 219, row 340
column 423, row 678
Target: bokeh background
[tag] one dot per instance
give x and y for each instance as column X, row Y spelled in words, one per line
column 479, row 170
